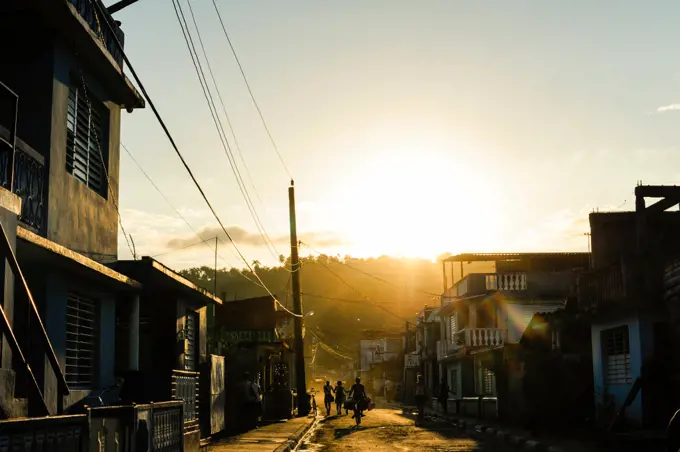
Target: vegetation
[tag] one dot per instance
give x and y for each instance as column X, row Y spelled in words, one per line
column 347, row 295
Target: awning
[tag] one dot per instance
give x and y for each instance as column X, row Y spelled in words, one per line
column 38, row 251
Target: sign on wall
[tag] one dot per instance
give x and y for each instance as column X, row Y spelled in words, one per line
column 229, row 338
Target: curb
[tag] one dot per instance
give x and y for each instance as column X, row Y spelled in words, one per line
column 295, row 439
column 518, row 442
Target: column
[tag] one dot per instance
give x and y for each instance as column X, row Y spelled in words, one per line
column 133, row 333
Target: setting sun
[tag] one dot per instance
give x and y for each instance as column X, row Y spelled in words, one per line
column 417, row 204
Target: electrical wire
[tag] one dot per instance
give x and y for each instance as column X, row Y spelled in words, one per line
column 165, row 198
column 229, row 124
column 183, row 247
column 98, row 6
column 198, row 67
column 377, row 278
column 250, row 91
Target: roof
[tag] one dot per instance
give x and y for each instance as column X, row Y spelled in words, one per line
column 35, row 249
column 151, row 272
column 488, row 257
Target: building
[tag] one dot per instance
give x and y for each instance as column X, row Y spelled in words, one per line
column 488, row 302
column 254, row 336
column 623, row 297
column 60, row 106
column 428, row 334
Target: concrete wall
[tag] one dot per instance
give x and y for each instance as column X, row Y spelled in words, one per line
column 78, row 217
column 641, row 347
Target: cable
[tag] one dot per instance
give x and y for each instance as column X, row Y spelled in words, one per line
column 229, row 124
column 377, row 278
column 250, row 91
column 183, row 248
column 360, row 294
column 178, row 212
column 198, row 67
column 177, row 151
column 323, row 297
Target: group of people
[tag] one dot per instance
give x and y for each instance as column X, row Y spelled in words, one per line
column 357, row 397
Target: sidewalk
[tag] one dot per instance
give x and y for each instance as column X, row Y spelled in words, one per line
column 520, row 439
column 278, row 437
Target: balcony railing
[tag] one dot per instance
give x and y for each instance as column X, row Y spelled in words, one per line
column 22, row 169
column 483, row 337
column 603, row 285
column 479, row 283
column 99, row 25
column 185, row 387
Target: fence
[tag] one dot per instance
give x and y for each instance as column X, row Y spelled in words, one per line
column 54, row 434
column 157, row 427
column 185, row 387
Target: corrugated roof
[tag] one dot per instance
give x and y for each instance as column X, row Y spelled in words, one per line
column 488, row 257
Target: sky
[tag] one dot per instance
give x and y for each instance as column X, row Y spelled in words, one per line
column 411, row 128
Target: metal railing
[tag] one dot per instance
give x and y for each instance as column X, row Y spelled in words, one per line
column 54, row 433
column 155, row 426
column 22, row 169
column 602, row 285
column 185, row 387
column 100, row 26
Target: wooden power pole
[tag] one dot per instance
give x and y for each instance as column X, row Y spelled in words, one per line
column 298, row 344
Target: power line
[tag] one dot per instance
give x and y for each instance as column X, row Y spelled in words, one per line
column 229, row 124
column 198, row 67
column 250, row 91
column 165, row 198
column 99, row 7
column 377, row 278
column 232, row 161
column 360, row 294
column 184, row 247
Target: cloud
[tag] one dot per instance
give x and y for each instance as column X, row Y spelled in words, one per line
column 671, row 107
column 248, row 238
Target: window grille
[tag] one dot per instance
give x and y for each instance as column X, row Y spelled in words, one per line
column 454, row 324
column 85, row 135
column 616, row 356
column 453, row 381
column 81, row 340
column 190, row 329
column 487, row 380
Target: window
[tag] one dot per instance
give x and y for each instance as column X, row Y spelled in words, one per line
column 454, row 324
column 487, row 380
column 190, row 330
column 616, row 356
column 85, row 134
column 453, row 381
column 81, row 340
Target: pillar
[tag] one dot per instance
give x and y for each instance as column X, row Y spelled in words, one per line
column 133, row 332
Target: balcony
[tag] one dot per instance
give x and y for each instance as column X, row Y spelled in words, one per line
column 98, row 24
column 625, row 283
column 480, row 283
column 22, row 168
column 471, row 338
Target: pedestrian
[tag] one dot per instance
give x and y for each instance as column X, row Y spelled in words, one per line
column 340, row 397
column 252, row 401
column 328, row 397
column 444, row 395
column 420, row 399
column 358, row 394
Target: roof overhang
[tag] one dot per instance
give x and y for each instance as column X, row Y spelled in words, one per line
column 491, row 257
column 33, row 249
column 155, row 275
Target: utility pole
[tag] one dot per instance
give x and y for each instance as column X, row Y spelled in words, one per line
column 215, row 274
column 298, row 344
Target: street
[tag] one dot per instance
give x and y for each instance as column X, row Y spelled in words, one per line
column 387, row 430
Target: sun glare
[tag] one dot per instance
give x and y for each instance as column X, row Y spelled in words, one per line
column 418, row 204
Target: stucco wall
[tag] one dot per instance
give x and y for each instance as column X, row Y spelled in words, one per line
column 638, row 352
column 78, row 217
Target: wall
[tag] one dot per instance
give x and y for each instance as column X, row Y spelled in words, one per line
column 79, row 218
column 637, row 355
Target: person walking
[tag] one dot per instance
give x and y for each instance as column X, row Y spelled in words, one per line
column 340, row 397
column 328, row 397
column 420, row 399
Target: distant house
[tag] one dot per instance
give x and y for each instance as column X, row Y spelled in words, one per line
column 489, row 301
